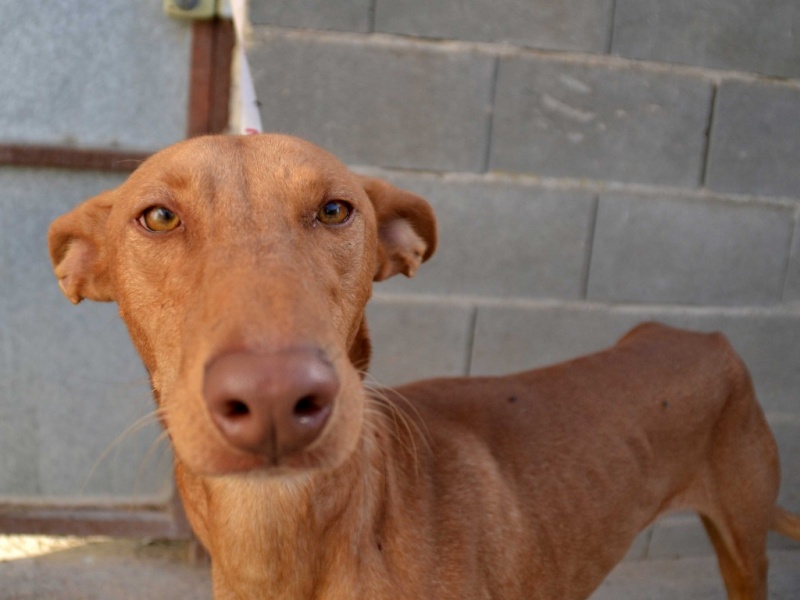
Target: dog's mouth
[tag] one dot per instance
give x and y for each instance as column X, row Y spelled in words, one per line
column 231, row 462
column 216, row 457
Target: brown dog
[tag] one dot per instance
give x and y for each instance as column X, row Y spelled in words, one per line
column 242, row 266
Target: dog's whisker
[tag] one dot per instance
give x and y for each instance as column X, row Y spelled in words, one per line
column 145, row 420
column 157, row 443
column 402, row 431
column 387, row 396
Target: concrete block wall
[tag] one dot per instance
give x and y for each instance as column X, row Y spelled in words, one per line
column 593, row 164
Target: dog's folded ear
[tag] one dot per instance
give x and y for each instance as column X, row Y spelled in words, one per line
column 406, row 228
column 77, row 242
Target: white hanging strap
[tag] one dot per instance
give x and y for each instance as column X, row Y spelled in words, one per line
column 249, row 117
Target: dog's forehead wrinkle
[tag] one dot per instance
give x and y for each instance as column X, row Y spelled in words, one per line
column 296, row 165
column 286, row 183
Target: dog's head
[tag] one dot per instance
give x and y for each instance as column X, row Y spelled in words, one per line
column 241, row 267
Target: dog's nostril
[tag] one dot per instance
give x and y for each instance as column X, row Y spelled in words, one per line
column 236, row 408
column 307, row 407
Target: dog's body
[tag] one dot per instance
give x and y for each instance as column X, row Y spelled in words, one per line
column 242, row 267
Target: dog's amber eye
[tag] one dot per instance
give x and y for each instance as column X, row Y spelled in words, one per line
column 159, row 219
column 334, row 212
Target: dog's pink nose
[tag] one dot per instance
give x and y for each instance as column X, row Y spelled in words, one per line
column 271, row 403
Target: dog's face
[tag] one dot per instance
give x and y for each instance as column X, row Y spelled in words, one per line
column 241, row 267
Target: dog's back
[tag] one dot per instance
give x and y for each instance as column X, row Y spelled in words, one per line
column 559, row 468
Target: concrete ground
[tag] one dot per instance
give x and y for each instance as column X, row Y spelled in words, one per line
column 35, row 568
column 43, row 568
column 693, row 578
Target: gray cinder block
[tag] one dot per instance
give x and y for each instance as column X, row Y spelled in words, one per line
column 725, row 34
column 19, row 453
column 414, row 339
column 342, row 15
column 755, row 140
column 689, row 251
column 582, row 25
column 565, row 119
column 399, row 106
column 108, row 74
column 791, row 292
column 503, row 239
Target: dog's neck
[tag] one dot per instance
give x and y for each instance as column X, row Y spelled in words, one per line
column 303, row 534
